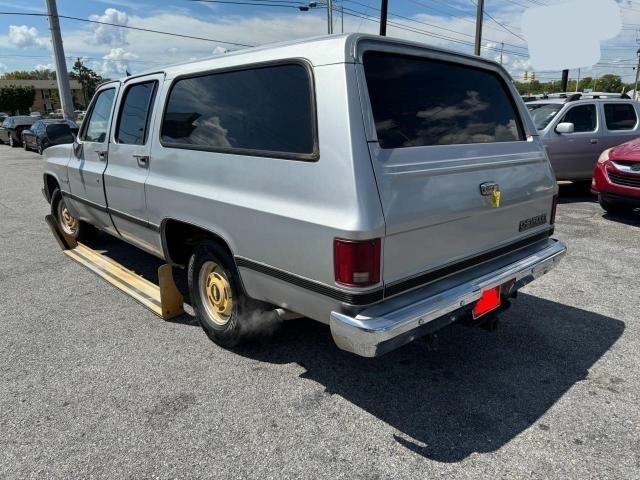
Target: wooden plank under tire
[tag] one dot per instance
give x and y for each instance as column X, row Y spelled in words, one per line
column 165, row 300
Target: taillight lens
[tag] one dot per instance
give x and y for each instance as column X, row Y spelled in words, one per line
column 356, row 263
column 554, row 207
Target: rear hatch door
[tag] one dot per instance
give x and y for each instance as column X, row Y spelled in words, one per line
column 460, row 170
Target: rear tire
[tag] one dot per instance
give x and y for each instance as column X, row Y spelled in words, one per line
column 614, row 208
column 67, row 224
column 217, row 296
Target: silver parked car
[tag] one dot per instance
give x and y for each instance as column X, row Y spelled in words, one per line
column 326, row 177
column 576, row 130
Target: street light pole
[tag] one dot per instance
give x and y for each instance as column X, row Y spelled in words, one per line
column 329, row 17
column 62, row 75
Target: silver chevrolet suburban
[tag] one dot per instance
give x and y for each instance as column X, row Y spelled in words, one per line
column 383, row 187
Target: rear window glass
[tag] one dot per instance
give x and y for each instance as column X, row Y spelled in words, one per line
column 259, row 110
column 60, row 133
column 417, row 102
column 621, row 116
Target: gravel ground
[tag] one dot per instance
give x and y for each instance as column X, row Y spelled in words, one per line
column 92, row 385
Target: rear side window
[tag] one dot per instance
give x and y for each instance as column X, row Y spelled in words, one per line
column 134, row 114
column 583, row 117
column 264, row 111
column 620, row 116
column 418, row 102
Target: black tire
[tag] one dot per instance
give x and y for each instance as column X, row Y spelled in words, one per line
column 24, row 145
column 12, row 142
column 235, row 328
column 39, row 148
column 614, row 208
column 82, row 232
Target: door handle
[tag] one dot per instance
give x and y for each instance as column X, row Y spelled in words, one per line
column 102, row 155
column 143, row 160
column 593, row 141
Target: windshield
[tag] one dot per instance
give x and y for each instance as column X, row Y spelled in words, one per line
column 542, row 114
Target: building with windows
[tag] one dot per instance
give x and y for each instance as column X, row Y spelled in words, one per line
column 47, row 98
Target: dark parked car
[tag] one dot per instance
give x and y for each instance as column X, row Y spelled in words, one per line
column 45, row 133
column 12, row 127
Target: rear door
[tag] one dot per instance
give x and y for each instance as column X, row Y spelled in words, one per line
column 439, row 131
column 573, row 155
column 129, row 160
column 90, row 159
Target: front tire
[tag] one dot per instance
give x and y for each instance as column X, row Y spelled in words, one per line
column 217, row 295
column 68, row 224
column 12, row 142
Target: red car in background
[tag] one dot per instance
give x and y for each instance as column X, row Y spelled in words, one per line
column 616, row 178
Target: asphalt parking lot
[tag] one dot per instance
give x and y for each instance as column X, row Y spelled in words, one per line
column 92, row 385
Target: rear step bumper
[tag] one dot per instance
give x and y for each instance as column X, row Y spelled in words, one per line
column 393, row 323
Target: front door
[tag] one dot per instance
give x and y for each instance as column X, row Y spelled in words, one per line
column 573, row 155
column 129, row 160
column 90, row 152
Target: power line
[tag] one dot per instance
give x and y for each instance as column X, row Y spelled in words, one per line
column 426, row 23
column 496, row 21
column 149, row 30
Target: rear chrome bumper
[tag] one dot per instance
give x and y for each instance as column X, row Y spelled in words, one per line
column 395, row 322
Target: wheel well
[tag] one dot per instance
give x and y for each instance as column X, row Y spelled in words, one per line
column 50, row 186
column 180, row 238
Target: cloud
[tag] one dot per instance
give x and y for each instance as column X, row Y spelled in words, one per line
column 116, row 62
column 47, row 66
column 108, row 35
column 23, row 36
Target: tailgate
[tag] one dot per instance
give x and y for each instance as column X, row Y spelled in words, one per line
column 448, row 136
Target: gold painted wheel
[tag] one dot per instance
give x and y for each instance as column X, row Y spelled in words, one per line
column 215, row 293
column 68, row 223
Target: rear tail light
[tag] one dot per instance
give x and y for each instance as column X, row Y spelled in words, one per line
column 554, row 207
column 356, row 263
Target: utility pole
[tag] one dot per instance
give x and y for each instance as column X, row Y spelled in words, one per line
column 578, row 82
column 58, row 57
column 635, row 90
column 383, row 17
column 329, row 17
column 501, row 51
column 479, row 16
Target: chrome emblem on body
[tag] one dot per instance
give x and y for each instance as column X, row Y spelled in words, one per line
column 491, row 189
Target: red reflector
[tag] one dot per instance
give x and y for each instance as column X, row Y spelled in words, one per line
column 356, row 263
column 554, row 207
column 489, row 301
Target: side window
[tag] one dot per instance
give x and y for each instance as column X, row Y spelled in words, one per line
column 263, row 110
column 620, row 116
column 134, row 115
column 98, row 121
column 583, row 117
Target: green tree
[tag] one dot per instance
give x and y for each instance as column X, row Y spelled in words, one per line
column 45, row 74
column 610, row 83
column 88, row 78
column 17, row 100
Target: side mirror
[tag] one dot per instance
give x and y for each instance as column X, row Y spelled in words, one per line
column 565, row 127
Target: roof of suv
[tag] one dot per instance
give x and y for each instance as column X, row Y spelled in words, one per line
column 322, row 50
